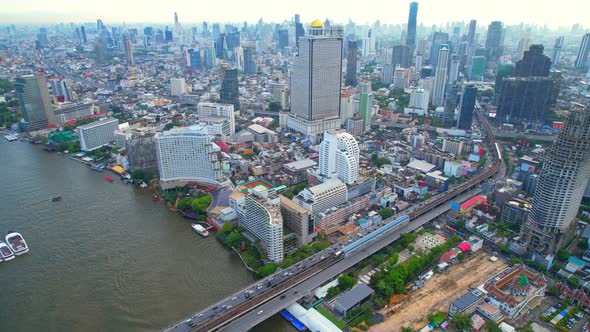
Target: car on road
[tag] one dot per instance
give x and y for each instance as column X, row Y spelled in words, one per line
column 260, row 312
column 234, row 298
column 190, row 322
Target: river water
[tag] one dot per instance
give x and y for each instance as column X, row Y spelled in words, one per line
column 105, row 258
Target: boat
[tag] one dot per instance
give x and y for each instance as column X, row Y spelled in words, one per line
column 17, row 243
column 155, row 198
column 108, row 178
column 56, row 199
column 11, row 138
column 5, row 252
column 200, row 230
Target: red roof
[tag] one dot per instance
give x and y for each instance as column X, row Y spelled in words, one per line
column 464, row 246
column 473, row 201
column 447, row 256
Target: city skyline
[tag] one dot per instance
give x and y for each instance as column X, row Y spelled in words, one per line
column 430, row 12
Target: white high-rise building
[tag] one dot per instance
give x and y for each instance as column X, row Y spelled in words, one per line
column 323, row 196
column 187, row 154
column 339, row 157
column 440, row 77
column 260, row 213
column 97, row 134
column 419, row 99
column 316, row 78
column 206, row 110
column 177, row 86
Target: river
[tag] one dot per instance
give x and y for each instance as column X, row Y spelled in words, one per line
column 105, row 257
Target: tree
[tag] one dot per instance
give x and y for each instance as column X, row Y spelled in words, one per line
column 227, row 227
column 574, row 281
column 460, row 224
column 234, row 240
column 516, row 261
column 184, row 204
column 346, row 282
column 407, row 329
column 386, row 213
column 382, row 161
column 267, row 270
column 552, row 291
column 562, row 255
column 492, row 327
column 410, row 248
column 200, row 204
column 583, row 245
column 462, row 322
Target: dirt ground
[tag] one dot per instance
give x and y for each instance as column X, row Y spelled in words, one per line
column 438, row 293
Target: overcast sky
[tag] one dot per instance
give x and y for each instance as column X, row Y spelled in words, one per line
column 554, row 14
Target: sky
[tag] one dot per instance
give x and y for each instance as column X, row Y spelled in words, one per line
column 559, row 13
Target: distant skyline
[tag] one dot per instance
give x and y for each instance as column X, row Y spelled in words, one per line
column 562, row 13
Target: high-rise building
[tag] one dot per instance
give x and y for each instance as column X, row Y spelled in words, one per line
column 401, row 79
column 561, row 186
column 451, row 101
column 97, row 134
column 411, row 35
column 194, row 57
column 220, row 111
column 209, row 58
column 400, row 56
column 260, row 214
column 249, row 62
column 230, row 93
column 283, row 39
column 365, row 109
column 177, row 86
column 533, row 63
column 351, row 59
column 495, row 40
column 523, row 45
column 467, row 106
column 582, row 57
column 129, row 50
column 503, row 70
column 99, row 49
column 440, row 77
column 339, row 157
column 298, row 220
column 322, row 197
column 454, row 68
column 35, row 104
column 187, row 154
column 60, row 89
column 556, row 50
column 477, row 68
column 83, row 35
column 471, row 33
column 315, row 81
column 438, row 39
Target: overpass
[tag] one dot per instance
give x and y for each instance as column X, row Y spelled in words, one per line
column 252, row 305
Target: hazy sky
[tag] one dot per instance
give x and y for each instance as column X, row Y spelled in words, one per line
column 557, row 13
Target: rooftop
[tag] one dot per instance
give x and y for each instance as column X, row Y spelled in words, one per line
column 97, row 123
column 300, row 165
column 468, row 299
column 354, row 296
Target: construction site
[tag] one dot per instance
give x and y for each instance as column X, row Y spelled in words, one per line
column 411, row 310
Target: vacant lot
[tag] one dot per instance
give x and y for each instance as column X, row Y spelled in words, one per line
column 439, row 292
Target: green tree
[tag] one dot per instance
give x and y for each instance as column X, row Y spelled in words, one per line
column 346, row 282
column 184, row 204
column 516, row 261
column 492, row 327
column 552, row 291
column 407, row 329
column 410, row 248
column 462, row 322
column 234, row 240
column 562, row 255
column 227, row 227
column 574, row 281
column 267, row 270
column 382, row 161
column 200, row 204
column 386, row 213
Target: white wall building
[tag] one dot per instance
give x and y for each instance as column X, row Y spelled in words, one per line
column 219, row 110
column 339, row 156
column 177, row 86
column 187, row 154
column 323, row 196
column 441, row 76
column 97, row 134
column 419, row 99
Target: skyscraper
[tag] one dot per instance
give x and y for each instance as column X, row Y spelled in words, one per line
column 561, row 186
column 533, row 63
column 440, row 76
column 556, row 50
column 495, row 40
column 471, row 32
column 451, row 101
column 454, row 68
column 283, row 39
column 411, row 35
column 400, row 56
column 194, row 58
column 33, row 97
column 99, row 49
column 315, row 82
column 129, row 50
column 438, row 39
column 582, row 57
column 351, row 59
column 466, row 106
column 230, row 93
column 249, row 63
column 523, row 45
column 83, row 35
column 366, row 105
column 339, row 157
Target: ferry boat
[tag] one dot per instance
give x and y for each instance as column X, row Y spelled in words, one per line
column 97, row 168
column 5, row 252
column 108, row 178
column 11, row 138
column 200, row 230
column 17, row 243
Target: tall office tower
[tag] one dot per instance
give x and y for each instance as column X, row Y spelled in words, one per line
column 209, row 58
column 100, row 25
column 42, row 38
column 33, row 97
column 351, row 59
column 83, row 35
column 411, row 34
column 400, row 56
column 176, row 25
column 418, row 60
column 582, row 57
column 339, row 157
column 316, row 79
column 471, row 33
column 215, row 30
column 299, row 32
column 177, row 86
column 205, row 110
column 260, row 213
column 495, row 41
column 467, row 106
column 556, row 50
column 230, row 93
column 194, row 57
column 297, row 18
column 454, row 68
column 129, row 51
column 238, row 58
column 533, row 63
column 365, row 109
column 371, row 40
column 78, row 36
column 451, row 101
column 249, row 63
column 283, row 39
column 503, row 70
column 561, row 186
column 440, row 76
column 205, row 29
column 221, row 46
column 387, row 74
column 438, row 39
column 60, row 89
column 168, row 36
column 187, row 154
column 523, row 45
column 99, row 49
column 477, row 68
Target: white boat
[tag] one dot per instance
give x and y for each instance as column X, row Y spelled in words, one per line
column 11, row 138
column 200, row 230
column 17, row 243
column 5, row 253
